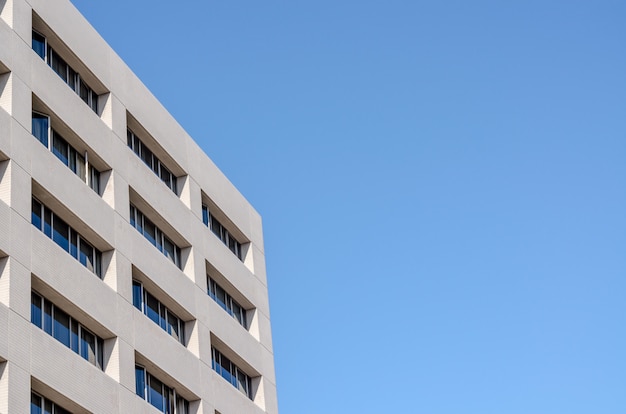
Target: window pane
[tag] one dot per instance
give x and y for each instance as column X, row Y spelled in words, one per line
column 86, row 255
column 133, row 212
column 129, row 138
column 140, row 382
column 137, row 295
column 88, row 346
column 60, row 410
column 216, row 227
column 152, row 308
column 36, row 405
column 84, row 92
column 242, row 382
column 77, row 164
column 47, row 407
column 166, row 176
column 61, row 327
column 173, row 326
column 71, row 78
column 58, row 65
column 237, row 312
column 94, row 102
column 146, row 156
column 60, row 148
column 149, row 231
column 36, row 214
column 35, row 309
column 47, row 222
column 74, row 336
column 94, row 179
column 61, row 233
column 47, row 317
column 205, row 215
column 137, row 146
column 169, row 249
column 39, row 45
column 40, row 125
column 98, row 258
column 220, row 296
column 155, row 393
column 74, row 244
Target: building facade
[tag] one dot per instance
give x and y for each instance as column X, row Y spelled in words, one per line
column 132, row 272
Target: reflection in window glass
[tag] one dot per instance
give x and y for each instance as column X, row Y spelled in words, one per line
column 40, row 127
column 61, row 327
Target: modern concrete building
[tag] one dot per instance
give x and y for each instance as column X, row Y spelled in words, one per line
column 132, row 272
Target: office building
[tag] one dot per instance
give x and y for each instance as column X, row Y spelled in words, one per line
column 132, row 272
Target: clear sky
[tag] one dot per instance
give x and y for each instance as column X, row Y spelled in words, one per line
column 443, row 187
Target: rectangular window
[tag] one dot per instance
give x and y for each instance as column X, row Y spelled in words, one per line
column 41, row 128
column 220, row 231
column 64, row 151
column 65, row 72
column 161, row 396
column 227, row 303
column 66, row 237
column 158, row 313
column 150, row 160
column 154, row 235
column 41, row 405
column 66, row 330
column 231, row 373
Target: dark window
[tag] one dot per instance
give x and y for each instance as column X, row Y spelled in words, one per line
column 150, row 160
column 220, row 231
column 65, row 72
column 231, row 373
column 61, row 328
column 154, row 235
column 41, row 127
column 66, row 237
column 66, row 330
column 35, row 309
column 227, row 303
column 40, row 405
column 64, row 151
column 39, row 45
column 61, row 233
column 162, row 397
column 158, row 312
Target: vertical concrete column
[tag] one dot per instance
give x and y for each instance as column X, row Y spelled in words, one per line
column 14, row 389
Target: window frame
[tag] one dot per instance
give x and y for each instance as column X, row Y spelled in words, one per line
column 164, row 313
column 138, row 221
column 228, row 302
column 156, row 165
column 72, row 77
column 170, row 400
column 44, row 212
column 222, row 233
column 91, row 174
column 234, row 373
column 75, row 345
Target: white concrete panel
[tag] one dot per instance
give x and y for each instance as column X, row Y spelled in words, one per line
column 4, row 332
column 5, row 132
column 170, row 355
column 71, row 375
column 228, row 399
column 6, row 34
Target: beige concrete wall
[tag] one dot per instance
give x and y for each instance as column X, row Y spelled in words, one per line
column 32, row 359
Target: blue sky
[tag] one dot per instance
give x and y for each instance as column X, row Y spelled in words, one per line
column 443, row 187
